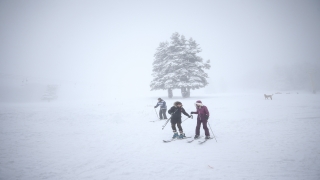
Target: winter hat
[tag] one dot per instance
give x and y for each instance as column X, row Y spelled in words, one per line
column 177, row 103
column 159, row 99
column 198, row 103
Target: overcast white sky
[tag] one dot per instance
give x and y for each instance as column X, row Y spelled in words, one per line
column 112, row 43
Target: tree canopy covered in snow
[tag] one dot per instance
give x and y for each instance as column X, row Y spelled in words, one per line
column 177, row 65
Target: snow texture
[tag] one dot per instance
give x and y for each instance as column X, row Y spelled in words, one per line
column 257, row 139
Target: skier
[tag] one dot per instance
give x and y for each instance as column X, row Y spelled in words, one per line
column 175, row 112
column 163, row 108
column 203, row 116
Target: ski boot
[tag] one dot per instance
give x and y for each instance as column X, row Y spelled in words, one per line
column 181, row 136
column 196, row 137
column 175, row 135
column 207, row 137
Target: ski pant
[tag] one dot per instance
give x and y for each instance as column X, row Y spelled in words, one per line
column 163, row 112
column 173, row 125
column 205, row 127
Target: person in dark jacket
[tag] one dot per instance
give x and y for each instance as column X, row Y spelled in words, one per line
column 163, row 108
column 175, row 112
column 203, row 116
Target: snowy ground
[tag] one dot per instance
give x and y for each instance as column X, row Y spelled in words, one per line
column 257, row 139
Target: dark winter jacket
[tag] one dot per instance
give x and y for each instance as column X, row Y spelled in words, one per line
column 162, row 105
column 175, row 112
column 202, row 111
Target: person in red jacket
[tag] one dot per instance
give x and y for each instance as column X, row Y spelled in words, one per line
column 203, row 116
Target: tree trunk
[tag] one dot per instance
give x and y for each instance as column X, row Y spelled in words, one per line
column 183, row 92
column 170, row 93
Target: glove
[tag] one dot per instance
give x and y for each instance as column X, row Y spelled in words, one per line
column 192, row 113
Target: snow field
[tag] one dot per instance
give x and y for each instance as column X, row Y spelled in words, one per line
column 257, row 139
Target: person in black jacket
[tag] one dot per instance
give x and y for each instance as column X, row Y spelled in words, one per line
column 175, row 112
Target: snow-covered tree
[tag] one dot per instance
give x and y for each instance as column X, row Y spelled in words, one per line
column 177, row 66
column 162, row 70
column 191, row 71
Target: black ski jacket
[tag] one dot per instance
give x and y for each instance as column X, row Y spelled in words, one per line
column 175, row 112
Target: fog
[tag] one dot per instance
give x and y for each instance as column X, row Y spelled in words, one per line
column 105, row 49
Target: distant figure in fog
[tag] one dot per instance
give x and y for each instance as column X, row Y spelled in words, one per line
column 163, row 108
column 268, row 96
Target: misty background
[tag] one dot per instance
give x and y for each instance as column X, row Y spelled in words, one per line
column 103, row 49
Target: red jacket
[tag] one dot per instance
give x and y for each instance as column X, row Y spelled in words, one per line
column 203, row 113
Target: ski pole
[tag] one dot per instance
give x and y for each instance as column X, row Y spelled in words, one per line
column 186, row 119
column 168, row 120
column 166, row 123
column 156, row 113
column 212, row 132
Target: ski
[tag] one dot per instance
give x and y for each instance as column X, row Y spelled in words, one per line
column 185, row 138
column 158, row 120
column 190, row 141
column 166, row 141
column 205, row 140
column 194, row 139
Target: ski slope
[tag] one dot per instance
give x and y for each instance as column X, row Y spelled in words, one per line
column 115, row 140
